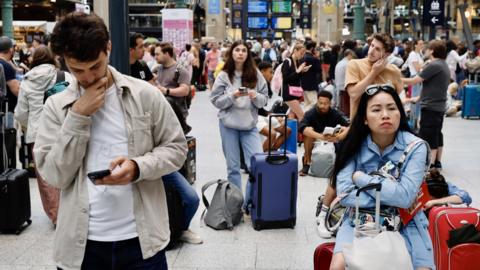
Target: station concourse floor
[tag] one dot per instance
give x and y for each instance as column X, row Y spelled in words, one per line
column 244, row 248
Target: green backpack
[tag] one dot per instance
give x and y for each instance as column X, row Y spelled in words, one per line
column 59, row 86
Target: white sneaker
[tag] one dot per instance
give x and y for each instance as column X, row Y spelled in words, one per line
column 321, row 229
column 190, row 237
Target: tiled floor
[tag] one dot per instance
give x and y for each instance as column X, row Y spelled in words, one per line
column 244, row 248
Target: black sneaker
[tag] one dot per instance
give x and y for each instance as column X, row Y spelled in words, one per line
column 438, row 165
column 305, row 170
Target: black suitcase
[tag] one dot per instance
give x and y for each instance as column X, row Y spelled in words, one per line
column 10, row 144
column 15, row 209
column 189, row 167
column 175, row 215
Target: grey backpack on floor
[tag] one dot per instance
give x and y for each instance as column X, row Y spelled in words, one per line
column 225, row 209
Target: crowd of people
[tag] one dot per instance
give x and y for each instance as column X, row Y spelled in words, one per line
column 136, row 125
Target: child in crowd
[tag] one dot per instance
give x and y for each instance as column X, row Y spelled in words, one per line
column 276, row 133
column 453, row 105
column 443, row 192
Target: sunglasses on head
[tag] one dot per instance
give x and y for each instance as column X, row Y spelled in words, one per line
column 374, row 88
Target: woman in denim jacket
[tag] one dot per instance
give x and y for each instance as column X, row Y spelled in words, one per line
column 379, row 134
column 239, row 91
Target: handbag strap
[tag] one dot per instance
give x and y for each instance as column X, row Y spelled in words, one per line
column 205, row 187
column 407, row 150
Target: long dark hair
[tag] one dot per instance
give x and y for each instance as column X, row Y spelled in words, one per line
column 359, row 131
column 249, row 73
column 43, row 55
column 451, row 45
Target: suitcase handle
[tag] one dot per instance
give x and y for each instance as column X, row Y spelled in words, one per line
column 276, row 159
column 378, row 188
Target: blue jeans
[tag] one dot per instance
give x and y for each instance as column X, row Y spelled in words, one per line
column 251, row 144
column 187, row 194
column 125, row 254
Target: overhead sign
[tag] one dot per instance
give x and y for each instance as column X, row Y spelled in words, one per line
column 434, row 12
column 214, row 7
column 177, row 26
column 306, row 15
column 237, row 13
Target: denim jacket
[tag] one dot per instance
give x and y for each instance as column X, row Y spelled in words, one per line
column 454, row 190
column 399, row 194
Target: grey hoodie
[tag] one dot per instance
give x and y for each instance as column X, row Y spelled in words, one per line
column 238, row 113
column 30, row 98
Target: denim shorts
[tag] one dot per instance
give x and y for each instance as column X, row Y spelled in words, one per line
column 211, row 77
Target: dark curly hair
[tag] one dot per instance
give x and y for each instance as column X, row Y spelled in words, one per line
column 386, row 40
column 80, row 36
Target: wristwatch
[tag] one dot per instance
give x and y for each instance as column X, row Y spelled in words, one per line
column 167, row 93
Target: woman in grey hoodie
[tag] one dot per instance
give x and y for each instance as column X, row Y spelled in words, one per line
column 239, row 91
column 41, row 77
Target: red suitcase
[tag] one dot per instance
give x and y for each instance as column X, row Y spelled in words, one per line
column 442, row 220
column 323, row 256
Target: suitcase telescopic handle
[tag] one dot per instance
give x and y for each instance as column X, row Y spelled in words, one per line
column 277, row 159
column 378, row 188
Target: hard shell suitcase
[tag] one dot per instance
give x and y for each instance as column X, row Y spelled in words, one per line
column 15, row 209
column 471, row 101
column 274, row 178
column 442, row 221
column 323, row 256
column 189, row 167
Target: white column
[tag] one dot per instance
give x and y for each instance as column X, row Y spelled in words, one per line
column 329, row 22
column 101, row 9
column 215, row 23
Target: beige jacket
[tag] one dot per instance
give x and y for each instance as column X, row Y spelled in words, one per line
column 156, row 143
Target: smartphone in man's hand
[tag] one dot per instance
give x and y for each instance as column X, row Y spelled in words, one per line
column 98, row 175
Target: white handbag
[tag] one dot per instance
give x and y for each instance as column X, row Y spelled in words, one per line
column 374, row 248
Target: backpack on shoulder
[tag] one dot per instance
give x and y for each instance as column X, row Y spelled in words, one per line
column 225, row 209
column 277, row 79
column 266, row 56
column 59, row 86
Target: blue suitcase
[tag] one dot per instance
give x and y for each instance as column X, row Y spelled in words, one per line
column 274, row 178
column 471, row 101
column 291, row 143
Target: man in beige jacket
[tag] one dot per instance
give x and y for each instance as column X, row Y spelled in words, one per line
column 106, row 121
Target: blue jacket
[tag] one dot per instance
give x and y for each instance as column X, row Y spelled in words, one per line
column 399, row 194
column 454, row 190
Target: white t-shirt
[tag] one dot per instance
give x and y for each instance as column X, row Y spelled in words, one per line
column 414, row 57
column 111, row 207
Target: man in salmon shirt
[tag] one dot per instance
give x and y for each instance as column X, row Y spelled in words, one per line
column 373, row 69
